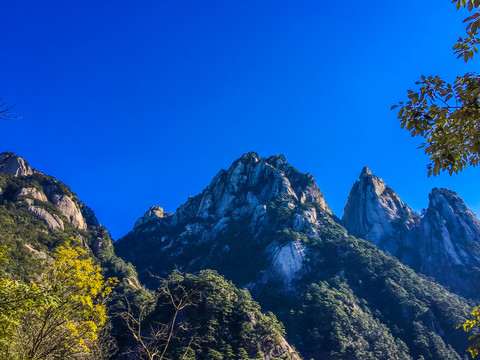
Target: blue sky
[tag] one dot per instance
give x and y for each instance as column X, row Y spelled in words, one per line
column 134, row 104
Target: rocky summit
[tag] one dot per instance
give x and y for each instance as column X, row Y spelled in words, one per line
column 11, row 164
column 251, row 193
column 267, row 227
column 47, row 191
column 443, row 243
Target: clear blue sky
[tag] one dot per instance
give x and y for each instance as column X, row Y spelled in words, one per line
column 140, row 103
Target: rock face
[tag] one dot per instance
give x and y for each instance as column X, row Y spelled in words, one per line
column 449, row 243
column 155, row 212
column 250, row 182
column 375, row 212
column 30, row 192
column 11, row 164
column 444, row 244
column 286, row 265
column 70, row 210
column 267, row 195
column 52, row 221
column 47, row 190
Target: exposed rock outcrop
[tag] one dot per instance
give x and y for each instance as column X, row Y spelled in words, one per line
column 449, row 243
column 70, row 210
column 248, row 183
column 52, row 221
column 47, row 189
column 444, row 244
column 287, row 263
column 375, row 212
column 37, row 254
column 11, row 164
column 155, row 212
column 30, row 192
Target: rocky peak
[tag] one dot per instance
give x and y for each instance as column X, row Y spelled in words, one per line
column 365, row 172
column 250, row 182
column 376, row 213
column 449, row 243
column 70, row 210
column 450, row 231
column 11, row 164
column 449, row 204
column 266, row 196
column 29, row 193
column 444, row 244
column 155, row 212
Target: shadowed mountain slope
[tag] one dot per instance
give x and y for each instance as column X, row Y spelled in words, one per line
column 266, row 226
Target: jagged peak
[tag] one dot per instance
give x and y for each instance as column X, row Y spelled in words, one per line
column 365, row 171
column 443, row 192
column 276, row 160
column 453, row 203
column 250, row 157
column 155, row 212
column 372, row 208
column 249, row 183
column 11, row 164
column 439, row 195
column 367, row 179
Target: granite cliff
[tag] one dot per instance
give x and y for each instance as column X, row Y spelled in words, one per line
column 443, row 243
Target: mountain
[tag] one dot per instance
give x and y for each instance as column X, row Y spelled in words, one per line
column 39, row 213
column 242, row 212
column 444, row 243
column 266, row 226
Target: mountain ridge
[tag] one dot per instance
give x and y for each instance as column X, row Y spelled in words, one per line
column 444, row 242
column 266, row 226
column 39, row 213
column 255, row 225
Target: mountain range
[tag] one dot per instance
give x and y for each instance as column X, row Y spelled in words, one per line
column 382, row 282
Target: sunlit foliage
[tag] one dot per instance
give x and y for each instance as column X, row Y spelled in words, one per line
column 62, row 315
column 447, row 115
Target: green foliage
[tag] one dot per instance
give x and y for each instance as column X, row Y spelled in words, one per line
column 58, row 318
column 16, row 300
column 340, row 326
column 472, row 324
column 29, row 241
column 361, row 303
column 446, row 115
column 220, row 321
